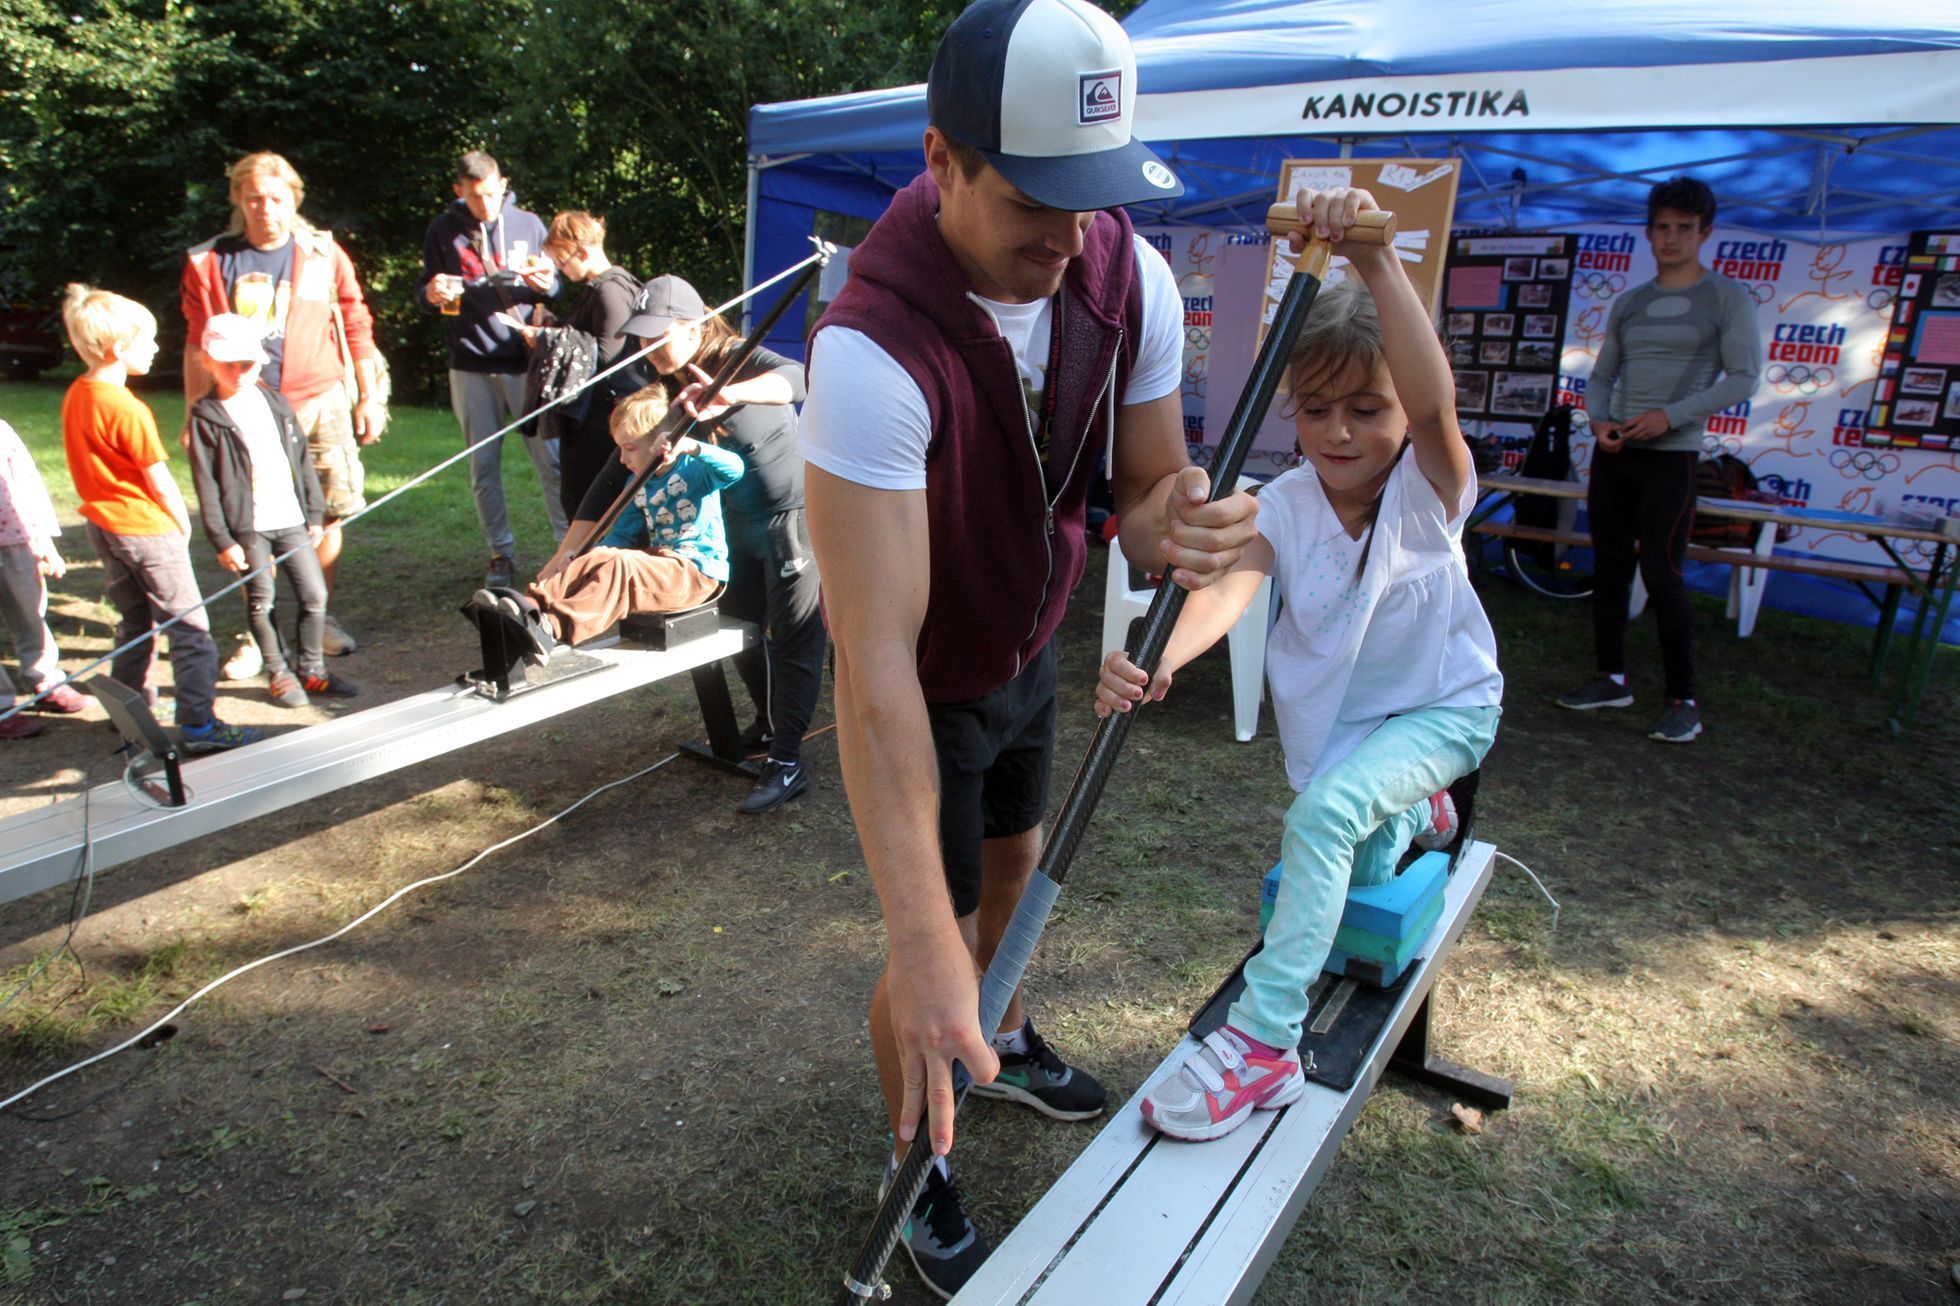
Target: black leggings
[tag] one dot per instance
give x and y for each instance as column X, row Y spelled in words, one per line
column 772, row 581
column 1643, row 495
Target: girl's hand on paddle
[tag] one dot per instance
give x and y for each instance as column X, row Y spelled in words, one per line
column 1327, row 214
column 1122, row 685
column 934, row 998
column 232, row 559
column 688, row 400
column 1205, row 538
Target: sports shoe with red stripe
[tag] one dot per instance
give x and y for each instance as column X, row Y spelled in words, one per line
column 1220, row 1085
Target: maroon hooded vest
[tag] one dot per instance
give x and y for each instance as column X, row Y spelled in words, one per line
column 1006, row 550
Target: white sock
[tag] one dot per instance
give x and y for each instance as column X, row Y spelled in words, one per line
column 1015, row 1041
column 1618, row 678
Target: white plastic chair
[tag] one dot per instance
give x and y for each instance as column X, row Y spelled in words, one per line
column 1246, row 641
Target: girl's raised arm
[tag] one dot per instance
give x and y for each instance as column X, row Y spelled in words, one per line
column 1416, row 362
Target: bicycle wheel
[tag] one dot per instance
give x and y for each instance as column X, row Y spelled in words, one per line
column 1547, row 570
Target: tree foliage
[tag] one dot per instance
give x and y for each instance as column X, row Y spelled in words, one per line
column 118, row 117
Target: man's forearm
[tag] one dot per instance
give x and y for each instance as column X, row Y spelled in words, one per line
column 891, row 777
column 1142, row 525
column 367, row 374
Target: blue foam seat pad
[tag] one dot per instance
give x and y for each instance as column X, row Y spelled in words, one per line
column 1395, row 910
column 1392, row 952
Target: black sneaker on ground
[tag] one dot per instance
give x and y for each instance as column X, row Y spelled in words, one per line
column 780, row 782
column 329, row 685
column 1600, row 691
column 214, row 736
column 756, row 738
column 944, row 1246
column 1040, row 1079
column 1678, row 725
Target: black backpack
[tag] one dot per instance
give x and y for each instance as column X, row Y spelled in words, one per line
column 1724, row 476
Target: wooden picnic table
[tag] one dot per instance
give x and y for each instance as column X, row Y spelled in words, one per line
column 1933, row 584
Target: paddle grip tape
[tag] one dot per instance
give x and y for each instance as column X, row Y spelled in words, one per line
column 1016, row 950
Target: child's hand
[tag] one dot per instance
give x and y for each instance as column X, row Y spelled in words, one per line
column 511, row 322
column 1328, row 214
column 314, row 534
column 1122, row 684
column 48, row 562
column 232, row 559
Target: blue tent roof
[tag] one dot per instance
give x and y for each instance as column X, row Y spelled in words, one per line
column 1811, row 119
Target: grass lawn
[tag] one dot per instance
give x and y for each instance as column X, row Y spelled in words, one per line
column 625, row 1060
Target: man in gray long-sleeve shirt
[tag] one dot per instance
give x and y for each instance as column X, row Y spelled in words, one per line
column 1677, row 349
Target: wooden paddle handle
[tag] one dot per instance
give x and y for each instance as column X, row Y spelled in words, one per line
column 1372, row 227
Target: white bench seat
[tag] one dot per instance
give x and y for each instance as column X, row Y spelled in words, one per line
column 1140, row 1218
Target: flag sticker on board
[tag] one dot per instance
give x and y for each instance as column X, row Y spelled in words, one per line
column 1099, row 97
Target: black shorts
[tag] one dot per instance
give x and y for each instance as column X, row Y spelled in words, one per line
column 994, row 753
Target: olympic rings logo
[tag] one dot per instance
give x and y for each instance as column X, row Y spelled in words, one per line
column 1762, row 292
column 1198, row 338
column 1864, row 462
column 1598, row 285
column 1881, row 299
column 1800, row 378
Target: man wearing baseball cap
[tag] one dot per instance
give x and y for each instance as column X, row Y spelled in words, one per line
column 1002, row 334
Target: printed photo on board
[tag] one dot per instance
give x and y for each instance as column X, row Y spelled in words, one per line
column 1541, row 324
column 1923, row 380
column 1946, row 291
column 1519, row 269
column 1538, row 294
column 1554, row 269
column 1916, row 412
column 1471, row 387
column 1460, row 324
column 1534, row 353
column 1494, row 352
column 1952, row 409
column 1500, row 324
column 1520, row 394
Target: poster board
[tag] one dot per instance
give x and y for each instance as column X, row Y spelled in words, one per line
column 1421, row 193
column 1916, row 401
column 1506, row 302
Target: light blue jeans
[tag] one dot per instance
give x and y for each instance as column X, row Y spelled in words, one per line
column 1351, row 825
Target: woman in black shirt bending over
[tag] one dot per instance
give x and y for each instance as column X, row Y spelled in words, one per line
column 772, row 573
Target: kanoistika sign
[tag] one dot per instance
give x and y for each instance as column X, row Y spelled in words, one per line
column 1344, row 108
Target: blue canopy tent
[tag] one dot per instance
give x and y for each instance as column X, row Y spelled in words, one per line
column 1812, row 119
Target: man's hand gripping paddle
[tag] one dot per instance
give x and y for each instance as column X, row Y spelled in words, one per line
column 735, row 362
column 1017, row 945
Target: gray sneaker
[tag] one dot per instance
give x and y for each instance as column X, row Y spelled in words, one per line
column 1219, row 1087
column 335, row 642
column 1600, row 691
column 944, row 1246
column 1678, row 725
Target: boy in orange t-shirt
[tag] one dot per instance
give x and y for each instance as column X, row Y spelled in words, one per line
column 136, row 520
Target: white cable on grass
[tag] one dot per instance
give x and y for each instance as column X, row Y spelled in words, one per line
column 406, row 889
column 23, row 704
column 1535, row 880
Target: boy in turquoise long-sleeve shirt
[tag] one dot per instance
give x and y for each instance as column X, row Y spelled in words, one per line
column 666, row 553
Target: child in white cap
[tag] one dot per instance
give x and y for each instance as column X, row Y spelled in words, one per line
column 260, row 499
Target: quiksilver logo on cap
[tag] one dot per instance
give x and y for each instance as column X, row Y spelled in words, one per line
column 1099, row 96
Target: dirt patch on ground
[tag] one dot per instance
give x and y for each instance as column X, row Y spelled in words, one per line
column 625, row 1059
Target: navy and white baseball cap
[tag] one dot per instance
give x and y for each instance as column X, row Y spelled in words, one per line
column 1045, row 90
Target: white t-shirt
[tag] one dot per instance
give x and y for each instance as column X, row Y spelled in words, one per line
column 274, row 505
column 866, row 420
column 1410, row 633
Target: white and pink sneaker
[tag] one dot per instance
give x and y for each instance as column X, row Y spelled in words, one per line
column 1221, row 1084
